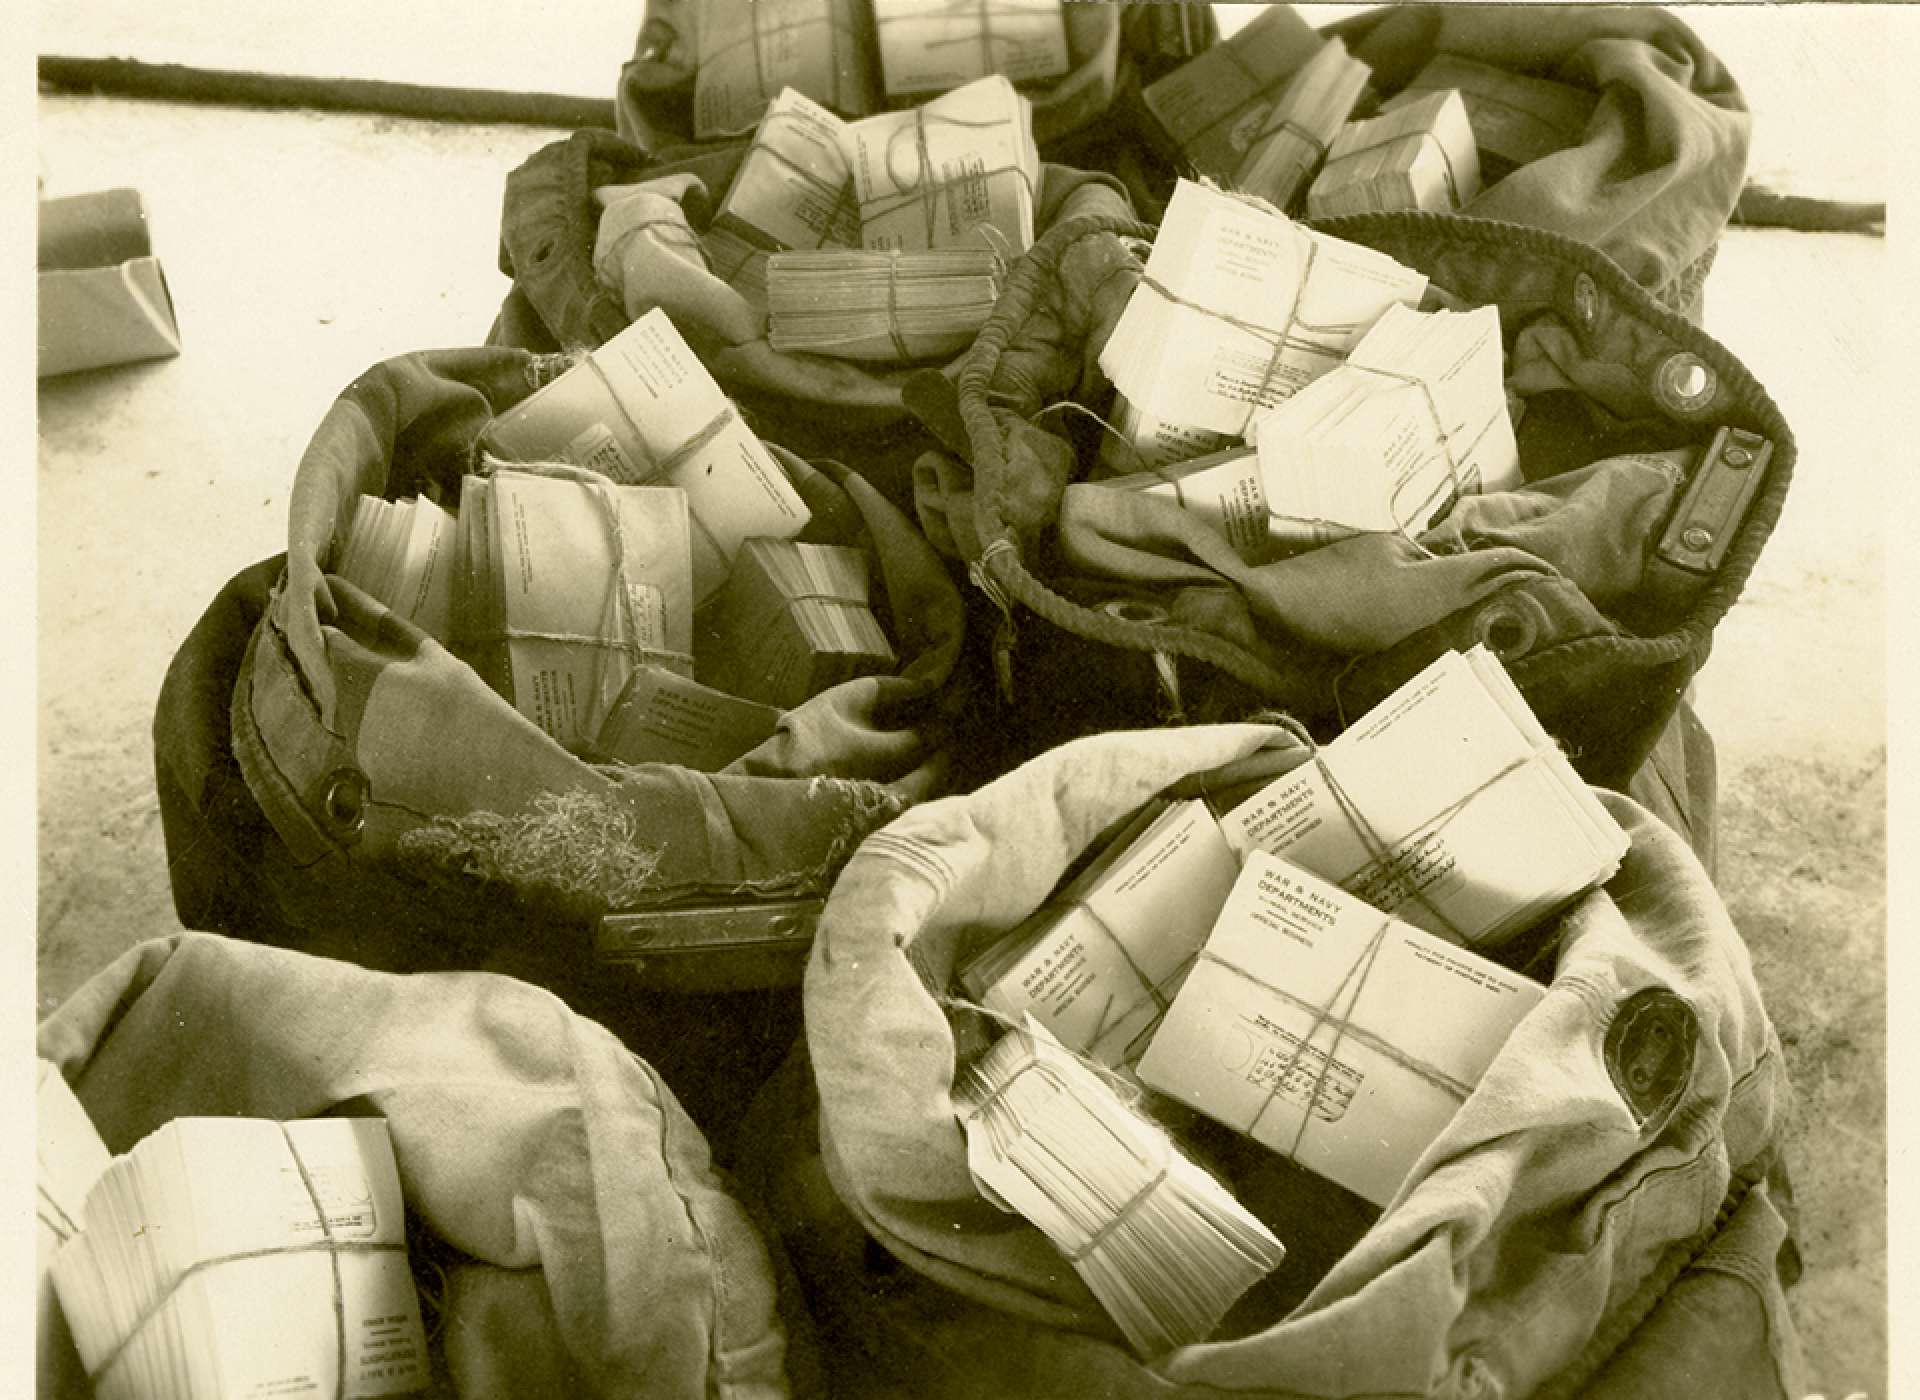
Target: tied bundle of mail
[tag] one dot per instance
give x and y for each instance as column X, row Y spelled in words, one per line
column 897, row 307
column 1240, row 307
column 750, row 49
column 1420, row 155
column 643, row 410
column 1211, row 109
column 1447, row 805
column 1163, row 1246
column 1330, row 1031
column 793, row 620
column 1300, row 972
column 402, row 554
column 1516, row 118
column 1099, row 962
column 961, row 171
column 930, row 46
column 569, row 583
column 69, row 1158
column 1301, row 126
column 792, row 190
column 229, row 1258
column 1415, row 418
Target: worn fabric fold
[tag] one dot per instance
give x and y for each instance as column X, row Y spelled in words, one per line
column 589, row 1246
column 1533, row 1225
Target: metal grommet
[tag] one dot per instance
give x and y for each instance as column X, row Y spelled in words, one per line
column 1135, row 610
column 1684, row 383
column 1510, row 627
column 1737, row 457
column 1698, row 538
column 343, row 803
column 1586, row 300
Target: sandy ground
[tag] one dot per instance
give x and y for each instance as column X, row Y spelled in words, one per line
column 300, row 249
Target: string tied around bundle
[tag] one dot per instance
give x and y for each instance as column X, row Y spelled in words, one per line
column 1382, row 860
column 926, row 191
column 328, row 1243
column 1155, row 1167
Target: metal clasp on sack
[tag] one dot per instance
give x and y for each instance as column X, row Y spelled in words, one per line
column 681, row 931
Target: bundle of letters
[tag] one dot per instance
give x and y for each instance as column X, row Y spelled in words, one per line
column 1240, row 307
column 1163, row 1246
column 1447, row 804
column 1307, row 117
column 1329, row 1031
column 569, row 582
column 402, row 552
column 1324, row 942
column 643, row 410
column 961, row 171
column 958, row 174
column 1211, row 108
column 1095, row 963
column 792, row 190
column 844, row 54
column 1516, row 118
column 793, row 620
column 1414, row 418
column 880, row 306
column 242, row 1257
column 68, row 1159
column 1420, row 155
column 575, row 576
column 750, row 49
column 931, row 46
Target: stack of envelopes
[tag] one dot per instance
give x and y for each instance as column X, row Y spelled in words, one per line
column 1447, row 805
column 1420, row 155
column 206, row 1267
column 642, row 409
column 568, row 582
column 402, row 553
column 792, row 190
column 1330, row 1032
column 1098, row 962
column 1163, row 1246
column 961, row 171
column 750, row 49
column 881, row 306
column 1302, row 125
column 929, row 46
column 1212, row 107
column 793, row 620
column 1386, row 441
column 1240, row 308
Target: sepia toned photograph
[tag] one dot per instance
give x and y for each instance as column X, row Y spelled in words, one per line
column 909, row 698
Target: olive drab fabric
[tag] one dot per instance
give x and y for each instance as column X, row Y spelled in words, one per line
column 1615, row 396
column 551, row 228
column 387, row 796
column 1654, row 179
column 1613, row 1152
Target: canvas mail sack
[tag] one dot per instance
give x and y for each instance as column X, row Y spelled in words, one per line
column 333, row 779
column 1111, row 50
column 567, row 1228
column 1594, row 1215
column 1599, row 583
